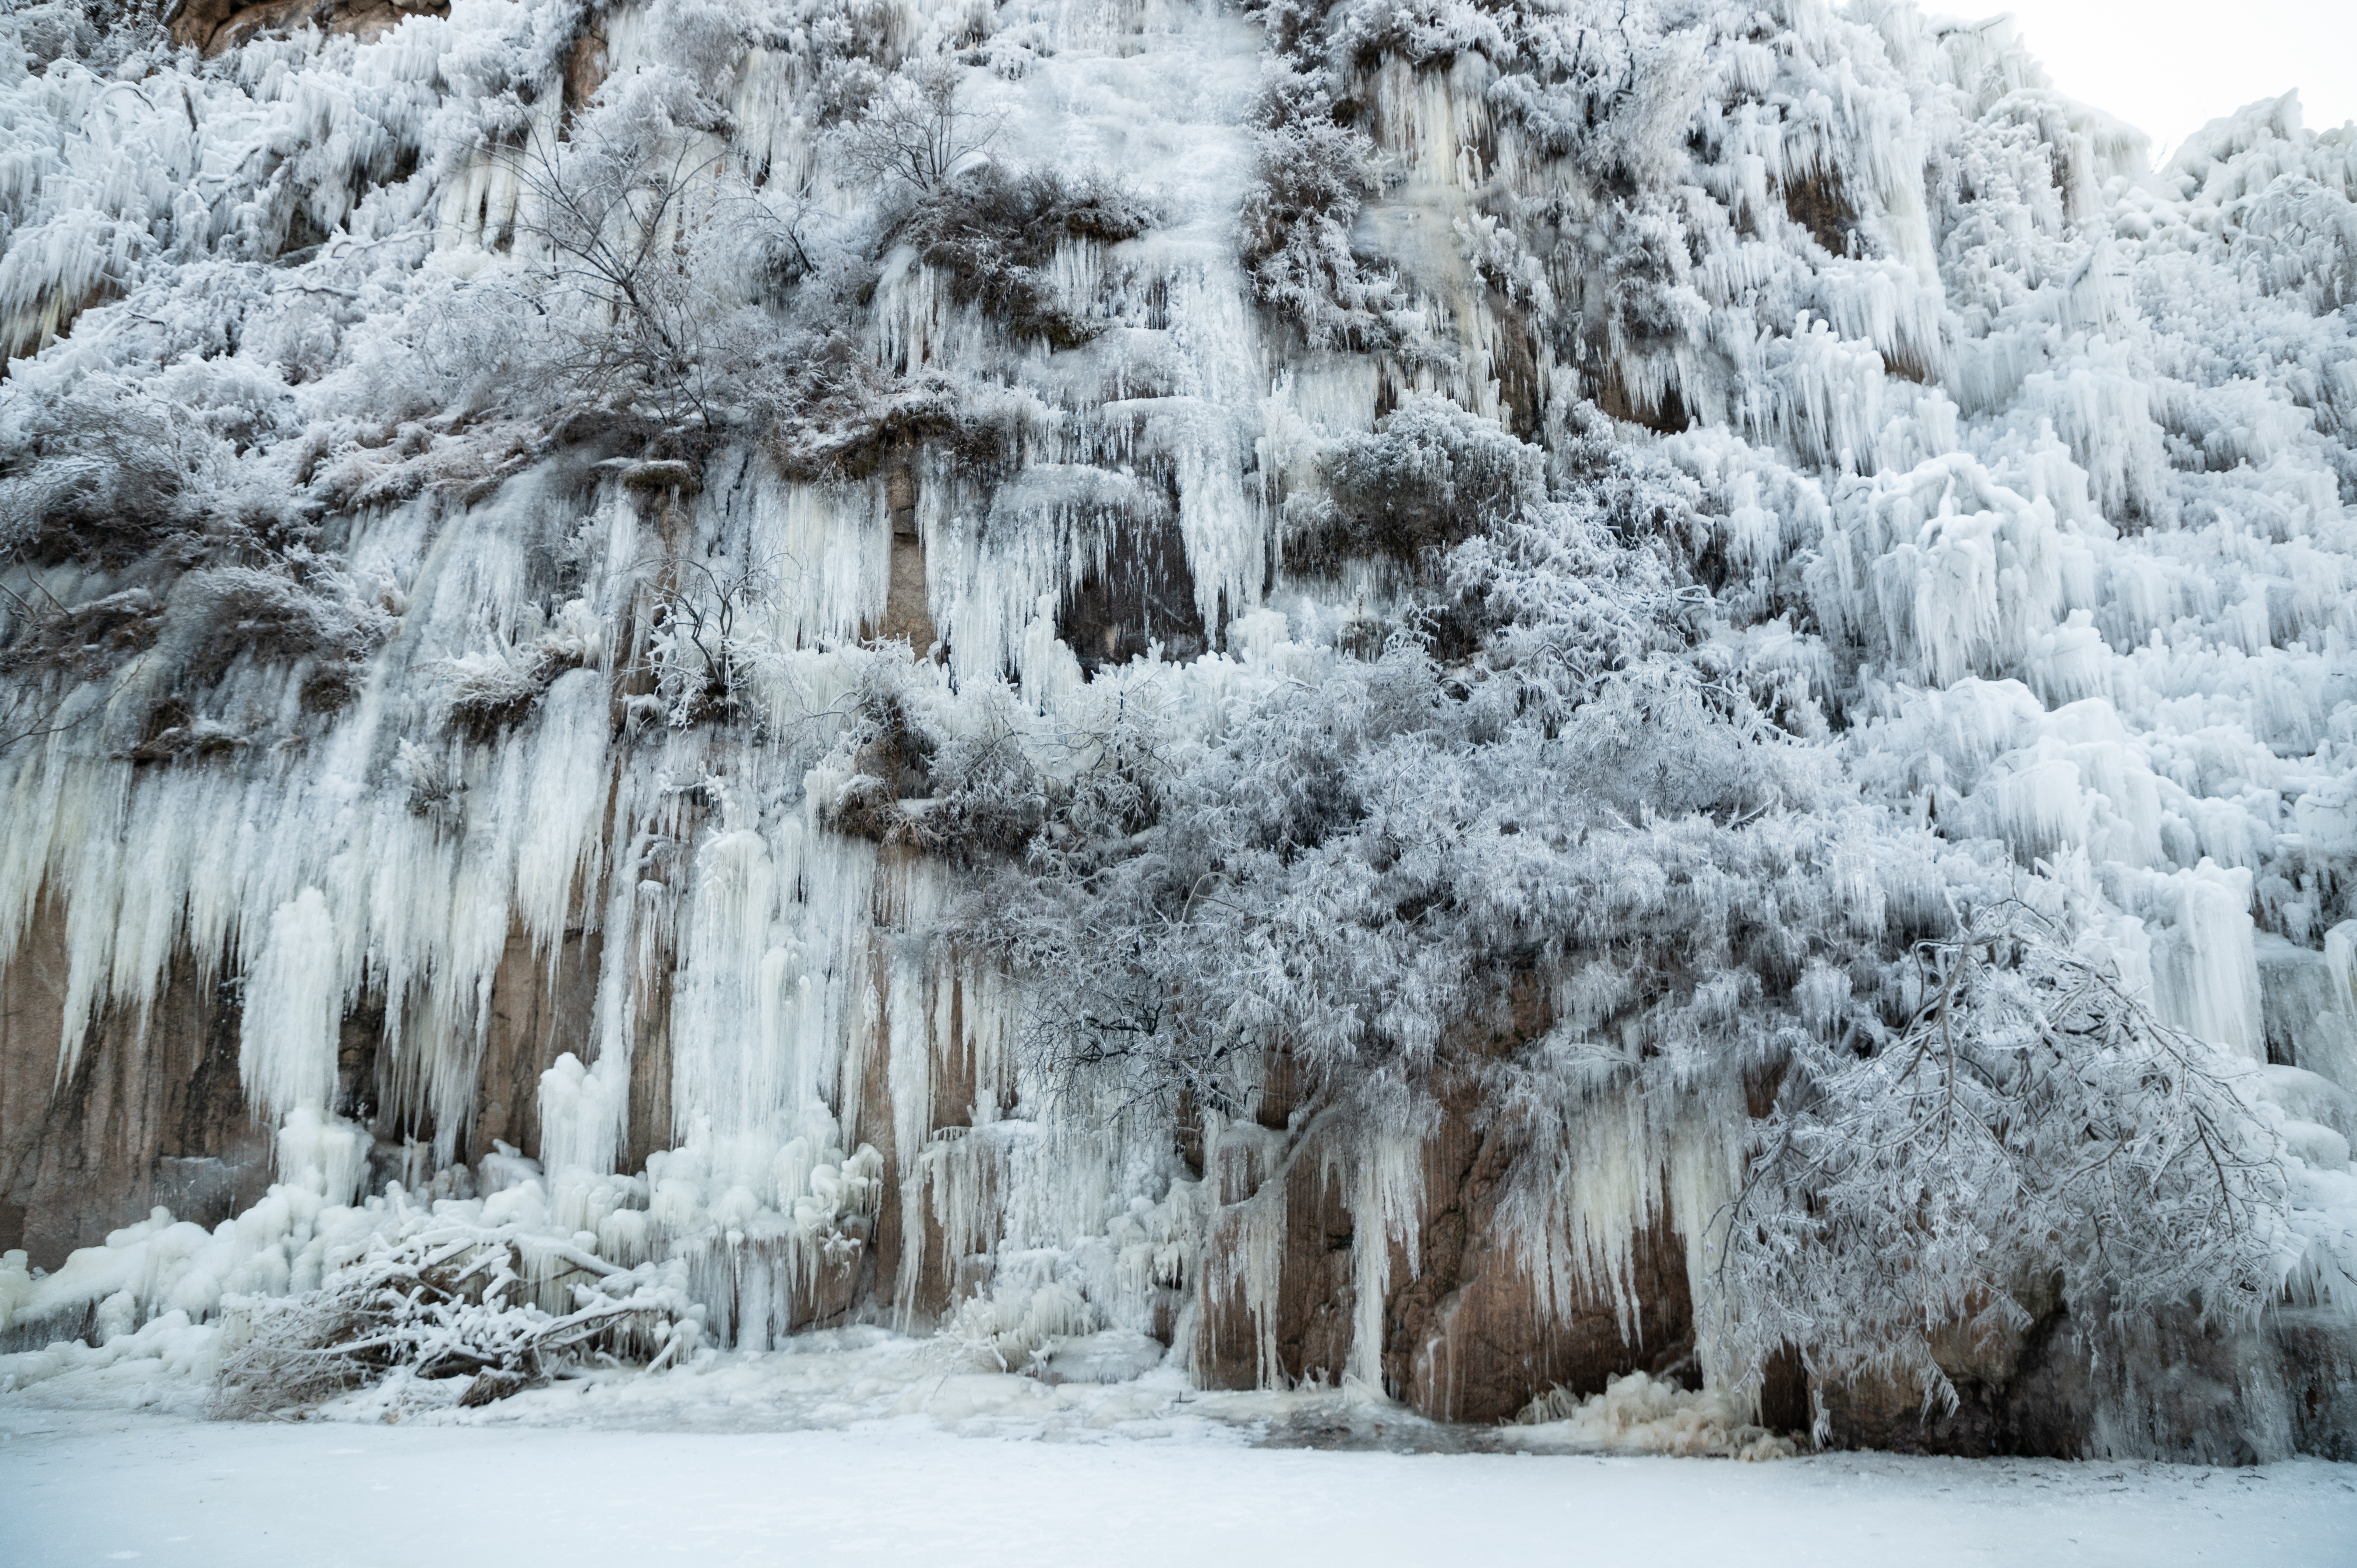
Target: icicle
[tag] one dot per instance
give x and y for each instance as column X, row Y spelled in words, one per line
column 293, row 1004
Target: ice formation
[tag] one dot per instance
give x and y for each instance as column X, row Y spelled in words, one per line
column 581, row 826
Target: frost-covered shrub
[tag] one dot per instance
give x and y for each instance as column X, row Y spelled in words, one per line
column 1559, row 592
column 100, row 477
column 89, row 637
column 993, row 234
column 700, row 645
column 970, row 796
column 2032, row 1135
column 448, row 1300
column 1310, row 175
column 890, row 752
column 295, row 608
column 270, row 615
column 173, row 498
column 54, row 30
column 1015, row 1328
column 1429, row 475
column 839, row 413
column 989, row 801
column 484, row 692
column 633, row 321
column 1644, row 1414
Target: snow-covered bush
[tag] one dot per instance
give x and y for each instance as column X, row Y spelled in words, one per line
column 447, row 1300
column 1428, row 476
column 2032, row 1137
column 972, row 796
column 1311, row 175
column 1644, row 1414
column 101, row 476
column 994, row 233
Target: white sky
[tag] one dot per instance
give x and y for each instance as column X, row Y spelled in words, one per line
column 2168, row 66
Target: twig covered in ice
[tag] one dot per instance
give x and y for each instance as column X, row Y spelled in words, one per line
column 448, row 1301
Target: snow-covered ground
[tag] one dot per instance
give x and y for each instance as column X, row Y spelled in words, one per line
column 85, row 1487
column 858, row 1445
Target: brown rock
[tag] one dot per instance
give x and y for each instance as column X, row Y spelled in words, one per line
column 907, row 611
column 543, row 1005
column 216, row 27
column 151, row 1113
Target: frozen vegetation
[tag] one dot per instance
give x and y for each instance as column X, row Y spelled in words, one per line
column 1129, row 696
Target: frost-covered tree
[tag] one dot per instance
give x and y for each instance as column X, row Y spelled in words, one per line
column 2031, row 1135
column 910, row 129
column 1550, row 768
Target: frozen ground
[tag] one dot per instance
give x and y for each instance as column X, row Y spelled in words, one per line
column 83, row 1486
column 863, row 1446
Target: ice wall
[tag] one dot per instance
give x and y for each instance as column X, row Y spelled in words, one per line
column 2032, row 464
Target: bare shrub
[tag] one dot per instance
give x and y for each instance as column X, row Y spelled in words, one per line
column 608, row 204
column 910, row 131
column 698, row 648
column 446, row 1302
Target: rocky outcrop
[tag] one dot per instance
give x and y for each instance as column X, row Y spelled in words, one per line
column 148, row 1113
column 217, row 26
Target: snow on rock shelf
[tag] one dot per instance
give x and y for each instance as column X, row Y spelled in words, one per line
column 1637, row 716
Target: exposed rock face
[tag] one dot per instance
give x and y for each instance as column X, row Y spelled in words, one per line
column 541, row 1006
column 216, row 27
column 1474, row 1338
column 151, row 1113
column 905, row 615
column 2188, row 1390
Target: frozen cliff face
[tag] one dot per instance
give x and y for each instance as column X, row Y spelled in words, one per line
column 1363, row 690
